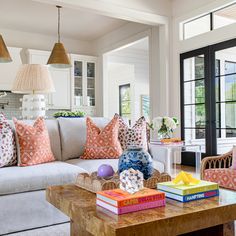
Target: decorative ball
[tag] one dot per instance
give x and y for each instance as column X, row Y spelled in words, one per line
column 138, row 159
column 105, row 171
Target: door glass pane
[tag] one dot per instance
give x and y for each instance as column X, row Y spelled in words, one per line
column 91, row 83
column 194, row 100
column 199, row 91
column 78, row 83
column 199, row 67
column 218, row 112
column 217, row 89
column 230, row 67
column 200, row 116
column 194, row 92
column 230, row 87
column 194, row 68
column 230, row 110
column 226, row 100
column 194, row 116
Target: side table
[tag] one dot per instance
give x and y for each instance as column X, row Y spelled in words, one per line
column 172, row 155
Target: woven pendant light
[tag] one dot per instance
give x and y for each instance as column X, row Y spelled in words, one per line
column 59, row 57
column 4, row 54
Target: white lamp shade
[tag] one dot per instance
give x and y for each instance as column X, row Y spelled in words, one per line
column 33, row 78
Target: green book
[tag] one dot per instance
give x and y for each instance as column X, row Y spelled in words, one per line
column 182, row 189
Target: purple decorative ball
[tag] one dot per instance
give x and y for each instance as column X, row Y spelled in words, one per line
column 105, row 171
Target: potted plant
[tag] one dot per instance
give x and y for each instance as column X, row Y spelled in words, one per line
column 69, row 114
column 164, row 126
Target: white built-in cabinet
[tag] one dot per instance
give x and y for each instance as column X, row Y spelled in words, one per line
column 83, row 83
column 61, row 98
column 8, row 70
column 75, row 87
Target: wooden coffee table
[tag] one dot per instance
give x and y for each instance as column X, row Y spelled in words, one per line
column 213, row 216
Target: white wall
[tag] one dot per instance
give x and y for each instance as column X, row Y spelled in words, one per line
column 158, row 57
column 119, row 74
column 116, row 39
column 128, row 66
column 14, row 38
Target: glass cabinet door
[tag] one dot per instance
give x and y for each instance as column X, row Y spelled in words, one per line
column 90, row 83
column 78, row 83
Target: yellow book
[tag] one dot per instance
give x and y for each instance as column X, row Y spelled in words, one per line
column 183, row 189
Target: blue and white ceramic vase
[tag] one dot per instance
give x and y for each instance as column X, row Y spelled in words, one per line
column 137, row 158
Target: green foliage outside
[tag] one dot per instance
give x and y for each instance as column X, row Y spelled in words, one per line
column 69, row 114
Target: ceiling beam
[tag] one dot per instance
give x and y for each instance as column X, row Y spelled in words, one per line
column 111, row 10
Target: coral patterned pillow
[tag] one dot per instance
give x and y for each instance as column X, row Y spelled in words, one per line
column 137, row 135
column 34, row 143
column 234, row 158
column 7, row 143
column 102, row 144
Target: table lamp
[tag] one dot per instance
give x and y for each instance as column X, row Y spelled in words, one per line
column 34, row 80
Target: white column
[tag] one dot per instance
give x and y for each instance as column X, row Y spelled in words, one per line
column 159, row 75
column 101, row 94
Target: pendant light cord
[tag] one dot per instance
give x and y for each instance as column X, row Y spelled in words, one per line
column 59, row 24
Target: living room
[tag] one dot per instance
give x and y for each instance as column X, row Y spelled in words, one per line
column 87, row 85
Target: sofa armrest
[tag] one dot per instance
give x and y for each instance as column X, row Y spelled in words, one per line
column 160, row 156
column 223, row 161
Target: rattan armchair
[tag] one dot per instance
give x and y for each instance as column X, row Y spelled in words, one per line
column 223, row 161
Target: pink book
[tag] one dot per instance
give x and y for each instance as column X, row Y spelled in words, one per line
column 131, row 208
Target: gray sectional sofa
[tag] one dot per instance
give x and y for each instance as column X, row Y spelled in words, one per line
column 22, row 189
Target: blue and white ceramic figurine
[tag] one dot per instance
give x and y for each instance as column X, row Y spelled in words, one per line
column 135, row 157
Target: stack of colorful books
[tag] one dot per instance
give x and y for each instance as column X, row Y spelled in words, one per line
column 191, row 192
column 121, row 202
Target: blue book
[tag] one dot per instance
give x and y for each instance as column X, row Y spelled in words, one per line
column 191, row 197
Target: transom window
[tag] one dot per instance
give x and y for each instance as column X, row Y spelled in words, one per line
column 210, row 21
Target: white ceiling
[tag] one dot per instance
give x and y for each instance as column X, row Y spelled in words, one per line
column 129, row 53
column 30, row 16
column 141, row 44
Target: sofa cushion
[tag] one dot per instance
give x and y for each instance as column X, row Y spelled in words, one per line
column 73, row 135
column 92, row 165
column 136, row 135
column 16, row 179
column 54, row 136
column 102, row 143
column 225, row 177
column 34, row 143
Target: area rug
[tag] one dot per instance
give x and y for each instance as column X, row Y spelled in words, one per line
column 56, row 230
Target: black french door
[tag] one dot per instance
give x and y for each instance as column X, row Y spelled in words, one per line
column 208, row 97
